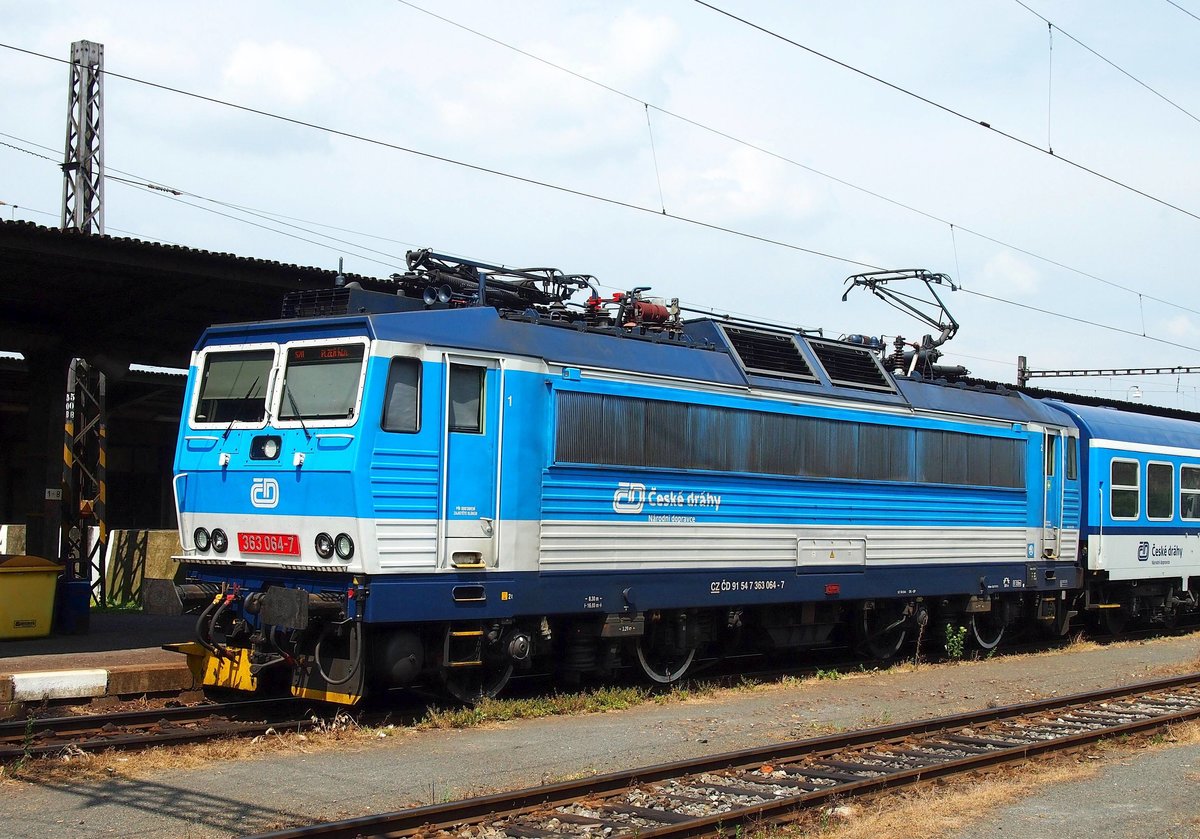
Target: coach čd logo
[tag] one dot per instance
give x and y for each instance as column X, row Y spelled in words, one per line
column 264, row 492
column 1143, row 551
column 629, row 498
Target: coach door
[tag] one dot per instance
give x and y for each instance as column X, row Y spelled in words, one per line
column 473, row 390
column 1054, row 444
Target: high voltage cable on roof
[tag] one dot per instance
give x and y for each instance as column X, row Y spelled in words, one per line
column 544, row 184
column 947, row 109
column 790, row 161
column 1107, row 61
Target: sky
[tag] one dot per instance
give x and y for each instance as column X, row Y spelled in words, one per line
column 759, row 151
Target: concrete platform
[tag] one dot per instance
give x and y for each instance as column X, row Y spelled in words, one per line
column 121, row 656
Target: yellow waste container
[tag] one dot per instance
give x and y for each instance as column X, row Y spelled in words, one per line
column 26, row 595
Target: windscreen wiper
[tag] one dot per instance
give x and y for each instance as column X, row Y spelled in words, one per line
column 229, row 427
column 295, row 410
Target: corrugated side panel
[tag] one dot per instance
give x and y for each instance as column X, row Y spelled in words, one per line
column 1072, row 510
column 610, row 545
column 941, row 546
column 1070, row 545
column 404, row 494
column 600, row 545
column 760, row 522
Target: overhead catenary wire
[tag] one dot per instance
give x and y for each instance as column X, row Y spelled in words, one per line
column 148, row 188
column 488, row 170
column 538, row 183
column 1079, row 320
column 159, row 191
column 1029, row 144
column 154, row 184
column 954, row 225
column 1049, row 87
column 155, row 188
column 1108, row 61
column 1182, row 9
column 170, row 192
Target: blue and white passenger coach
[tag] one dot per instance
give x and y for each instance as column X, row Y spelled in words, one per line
column 386, row 489
column 1141, row 513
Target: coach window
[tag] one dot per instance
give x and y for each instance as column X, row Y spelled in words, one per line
column 1072, row 458
column 466, row 398
column 1189, row 492
column 402, row 399
column 1160, row 491
column 1125, row 490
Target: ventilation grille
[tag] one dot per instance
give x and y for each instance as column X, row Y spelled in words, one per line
column 851, row 366
column 768, row 354
column 316, row 303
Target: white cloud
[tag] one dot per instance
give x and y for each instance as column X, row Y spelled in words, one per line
column 637, row 45
column 745, row 184
column 1181, row 326
column 282, row 70
column 523, row 107
column 1009, row 275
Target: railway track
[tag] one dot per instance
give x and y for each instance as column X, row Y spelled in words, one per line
column 720, row 794
column 138, row 729
column 191, row 724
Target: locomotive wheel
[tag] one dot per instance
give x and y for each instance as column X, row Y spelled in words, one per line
column 1114, row 621
column 883, row 630
column 986, row 631
column 661, row 665
column 471, row 685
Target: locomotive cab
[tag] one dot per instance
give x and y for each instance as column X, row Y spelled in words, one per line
column 268, row 506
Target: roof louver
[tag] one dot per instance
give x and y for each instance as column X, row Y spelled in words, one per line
column 771, row 354
column 851, row 366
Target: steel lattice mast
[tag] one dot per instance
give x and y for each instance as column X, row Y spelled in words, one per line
column 83, row 160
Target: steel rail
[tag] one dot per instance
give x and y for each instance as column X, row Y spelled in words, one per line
column 34, row 737
column 432, row 818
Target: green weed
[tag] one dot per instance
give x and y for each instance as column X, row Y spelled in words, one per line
column 955, row 640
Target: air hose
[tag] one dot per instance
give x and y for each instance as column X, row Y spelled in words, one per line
column 358, row 654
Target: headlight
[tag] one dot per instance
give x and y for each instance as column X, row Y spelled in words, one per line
column 220, row 541
column 265, row 447
column 324, row 545
column 200, row 539
column 344, row 546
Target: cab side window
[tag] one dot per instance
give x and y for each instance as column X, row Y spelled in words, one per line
column 466, row 398
column 402, row 398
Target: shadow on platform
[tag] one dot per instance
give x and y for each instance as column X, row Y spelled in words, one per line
column 110, row 631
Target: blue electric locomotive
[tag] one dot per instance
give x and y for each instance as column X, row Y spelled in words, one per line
column 460, row 477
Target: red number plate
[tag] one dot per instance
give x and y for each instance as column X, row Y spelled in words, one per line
column 269, row 543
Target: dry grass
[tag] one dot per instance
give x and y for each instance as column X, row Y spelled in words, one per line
column 948, row 806
column 344, row 732
column 74, row 764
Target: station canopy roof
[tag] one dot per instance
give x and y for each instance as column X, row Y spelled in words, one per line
column 70, row 294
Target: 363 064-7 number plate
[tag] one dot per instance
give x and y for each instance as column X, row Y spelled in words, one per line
column 287, row 544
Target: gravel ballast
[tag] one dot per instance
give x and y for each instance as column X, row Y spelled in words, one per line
column 360, row 777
